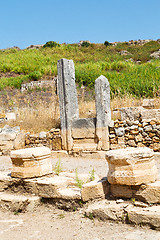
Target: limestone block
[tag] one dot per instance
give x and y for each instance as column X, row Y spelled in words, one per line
column 131, row 166
column 145, row 216
column 70, row 193
column 49, row 187
column 149, row 193
column 19, row 141
column 31, row 162
column 17, row 203
column 95, row 189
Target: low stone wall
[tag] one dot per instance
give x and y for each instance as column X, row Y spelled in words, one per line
column 51, row 139
column 137, row 133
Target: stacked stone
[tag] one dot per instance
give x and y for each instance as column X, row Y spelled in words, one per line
column 137, row 133
column 51, row 139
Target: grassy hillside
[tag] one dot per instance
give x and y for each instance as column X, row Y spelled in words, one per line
column 139, row 76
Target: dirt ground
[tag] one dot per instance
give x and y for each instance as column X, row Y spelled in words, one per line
column 48, row 223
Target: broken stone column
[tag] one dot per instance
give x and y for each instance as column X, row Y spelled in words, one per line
column 131, row 166
column 67, row 100
column 31, row 162
column 103, row 112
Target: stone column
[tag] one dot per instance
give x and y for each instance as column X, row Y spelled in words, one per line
column 67, row 100
column 103, row 112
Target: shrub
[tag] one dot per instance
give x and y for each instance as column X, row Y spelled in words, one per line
column 85, row 44
column 51, row 44
column 36, row 75
column 106, row 43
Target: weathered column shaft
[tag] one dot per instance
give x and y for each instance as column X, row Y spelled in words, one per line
column 67, row 100
column 103, row 111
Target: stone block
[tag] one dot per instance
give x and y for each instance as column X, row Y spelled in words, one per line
column 31, row 162
column 18, row 203
column 95, row 189
column 131, row 166
column 83, row 128
column 122, row 191
column 149, row 193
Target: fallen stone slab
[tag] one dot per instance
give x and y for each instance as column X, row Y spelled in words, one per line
column 131, row 166
column 144, row 216
column 31, row 162
column 106, row 210
column 125, row 212
column 18, row 203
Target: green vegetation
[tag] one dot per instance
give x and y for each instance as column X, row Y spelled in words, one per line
column 92, row 175
column 79, row 182
column 139, row 76
column 58, row 167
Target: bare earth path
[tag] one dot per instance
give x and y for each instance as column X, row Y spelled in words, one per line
column 48, row 223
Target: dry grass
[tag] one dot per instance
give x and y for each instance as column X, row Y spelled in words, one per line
column 40, row 115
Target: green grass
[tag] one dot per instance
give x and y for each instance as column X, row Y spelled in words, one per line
column 140, row 80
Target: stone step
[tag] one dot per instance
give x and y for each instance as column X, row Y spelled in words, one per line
column 125, row 212
column 18, row 203
column 84, row 147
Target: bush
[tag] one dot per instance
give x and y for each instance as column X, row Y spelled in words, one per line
column 106, row 43
column 85, row 44
column 36, row 75
column 51, row 44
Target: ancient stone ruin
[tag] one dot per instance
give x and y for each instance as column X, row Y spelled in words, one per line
column 82, row 134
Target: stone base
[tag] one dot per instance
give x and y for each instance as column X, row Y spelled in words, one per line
column 31, row 162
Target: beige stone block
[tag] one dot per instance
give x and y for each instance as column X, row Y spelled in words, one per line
column 70, row 193
column 17, row 203
column 95, row 189
column 131, row 166
column 83, row 133
column 19, row 141
column 144, row 216
column 149, row 193
column 31, row 162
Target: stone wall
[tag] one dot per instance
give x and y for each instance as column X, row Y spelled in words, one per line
column 51, row 139
column 135, row 133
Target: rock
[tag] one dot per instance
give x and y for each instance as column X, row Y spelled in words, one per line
column 42, row 135
column 10, row 116
column 148, row 103
column 156, row 54
column 120, row 131
column 131, row 143
column 149, row 193
column 95, row 189
column 19, row 141
column 130, row 113
column 131, row 166
column 125, row 53
column 144, row 216
column 106, row 210
column 31, row 162
column 18, row 203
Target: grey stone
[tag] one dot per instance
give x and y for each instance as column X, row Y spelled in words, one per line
column 120, row 131
column 67, row 99
column 103, row 112
column 84, row 123
column 42, row 135
column 102, row 97
column 130, row 113
column 156, row 54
